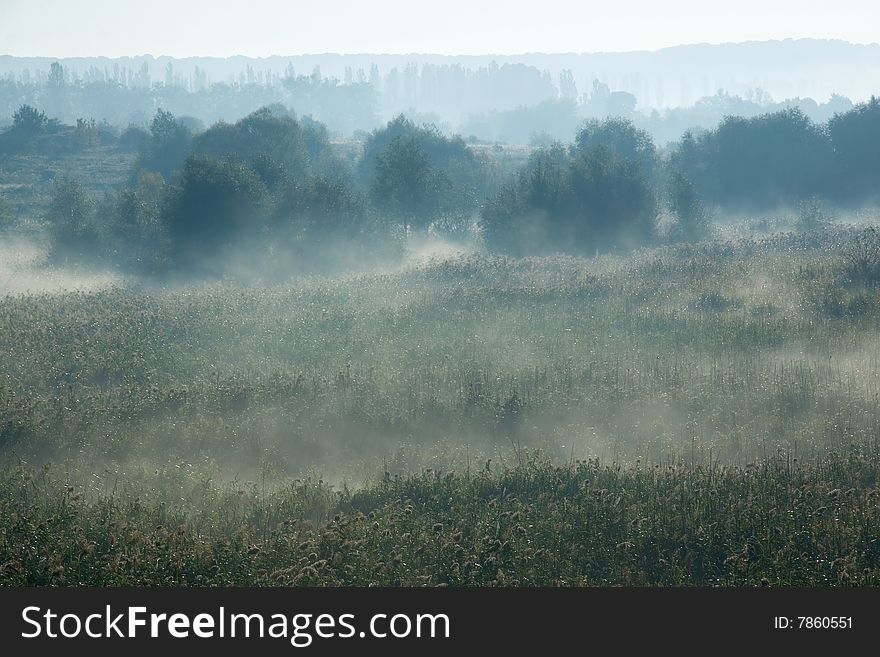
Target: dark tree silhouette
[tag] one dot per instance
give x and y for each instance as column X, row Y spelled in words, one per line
column 691, row 219
column 855, row 136
column 167, row 146
column 218, row 204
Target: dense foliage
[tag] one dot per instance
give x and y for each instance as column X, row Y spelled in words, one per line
column 278, row 183
column 782, row 158
column 588, row 524
column 592, row 197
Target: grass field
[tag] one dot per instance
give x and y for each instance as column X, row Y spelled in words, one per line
column 703, row 414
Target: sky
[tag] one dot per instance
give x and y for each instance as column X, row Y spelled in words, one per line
column 259, row 28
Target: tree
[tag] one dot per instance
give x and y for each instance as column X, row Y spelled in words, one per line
column 578, row 200
column 166, row 147
column 271, row 143
column 318, row 207
column 220, row 203
column 621, row 138
column 133, row 140
column 620, row 104
column 316, row 140
column 379, row 140
column 406, row 185
column 320, row 224
column 29, row 121
column 855, row 136
column 57, row 78
column 56, row 88
column 70, row 218
column 546, row 182
column 419, row 175
column 764, row 161
column 137, row 229
column 567, row 85
column 529, row 216
column 614, row 203
column 691, row 219
column 554, row 118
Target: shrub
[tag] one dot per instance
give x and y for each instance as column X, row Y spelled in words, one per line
column 811, row 215
column 70, row 217
column 862, row 258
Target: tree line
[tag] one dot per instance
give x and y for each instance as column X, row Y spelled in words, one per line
column 199, row 198
column 510, row 103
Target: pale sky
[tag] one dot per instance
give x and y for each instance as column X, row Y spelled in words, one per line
column 257, row 28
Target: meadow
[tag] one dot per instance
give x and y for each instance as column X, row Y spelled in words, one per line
column 702, row 414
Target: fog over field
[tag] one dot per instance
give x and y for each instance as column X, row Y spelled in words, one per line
column 543, row 319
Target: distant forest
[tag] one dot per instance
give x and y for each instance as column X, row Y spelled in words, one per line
column 527, row 99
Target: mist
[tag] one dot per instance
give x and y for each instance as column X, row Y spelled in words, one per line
column 251, row 298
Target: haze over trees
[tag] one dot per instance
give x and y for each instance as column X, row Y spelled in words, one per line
column 593, row 196
column 512, row 99
column 197, row 196
column 337, row 321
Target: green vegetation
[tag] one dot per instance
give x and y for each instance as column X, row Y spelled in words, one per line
column 418, row 176
column 704, row 414
column 255, row 353
column 780, row 523
column 276, row 183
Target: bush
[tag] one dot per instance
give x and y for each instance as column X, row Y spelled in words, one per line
column 133, row 139
column 71, row 221
column 811, row 215
column 862, row 258
column 28, row 125
column 5, row 213
column 29, row 121
column 139, row 236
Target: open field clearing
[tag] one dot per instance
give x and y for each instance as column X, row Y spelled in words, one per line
column 697, row 414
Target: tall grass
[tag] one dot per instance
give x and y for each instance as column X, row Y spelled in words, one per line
column 735, row 383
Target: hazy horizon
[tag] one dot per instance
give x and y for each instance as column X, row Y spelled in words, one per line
column 426, row 53
column 120, row 29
